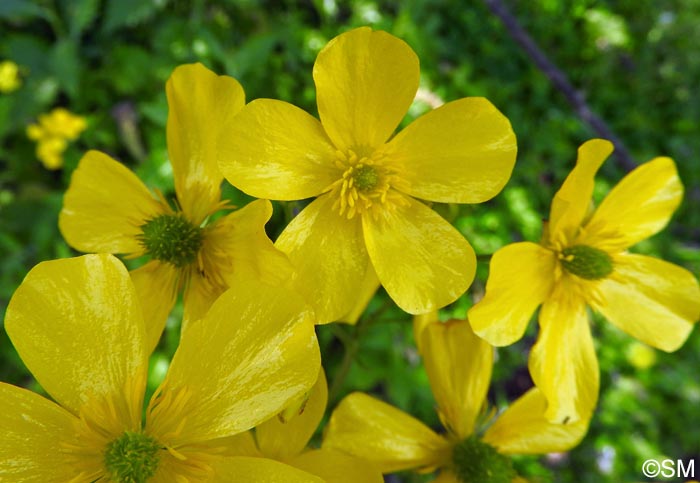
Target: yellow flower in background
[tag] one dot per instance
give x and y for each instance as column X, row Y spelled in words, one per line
column 52, row 133
column 286, row 441
column 582, row 261
column 366, row 216
column 9, row 77
column 459, row 367
column 77, row 325
column 108, row 209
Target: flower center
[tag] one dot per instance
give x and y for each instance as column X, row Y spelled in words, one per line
column 365, row 178
column 586, row 262
column 172, row 239
column 132, row 458
column 477, row 462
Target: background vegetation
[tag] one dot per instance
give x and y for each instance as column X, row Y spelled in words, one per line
column 636, row 61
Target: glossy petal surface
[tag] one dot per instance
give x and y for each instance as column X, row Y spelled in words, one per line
column 336, row 467
column 652, row 300
column 275, row 150
column 104, row 206
column 365, row 83
column 462, row 152
column 370, row 285
column 377, row 432
column 258, row 470
column 84, row 313
column 330, row 258
column 520, row 278
column 423, row 262
column 523, row 429
column 201, row 106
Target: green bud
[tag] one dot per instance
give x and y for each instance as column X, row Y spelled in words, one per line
column 586, row 262
column 477, row 462
column 132, row 458
column 172, row 239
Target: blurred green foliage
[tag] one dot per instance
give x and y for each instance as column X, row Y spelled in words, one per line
column 636, row 61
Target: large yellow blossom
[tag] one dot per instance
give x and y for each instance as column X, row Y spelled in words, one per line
column 78, row 327
column 459, row 367
column 583, row 260
column 366, row 216
column 108, row 209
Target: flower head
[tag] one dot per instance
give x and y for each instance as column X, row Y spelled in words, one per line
column 474, row 449
column 108, row 209
column 78, row 327
column 10, row 80
column 52, row 133
column 366, row 217
column 582, row 261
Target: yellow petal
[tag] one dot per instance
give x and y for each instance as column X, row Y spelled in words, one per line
column 78, row 327
column 33, row 430
column 423, row 262
column 282, row 440
column 248, row 358
column 336, row 467
column 446, row 476
column 104, row 207
column 420, row 322
column 462, row 152
column 573, row 200
column 459, row 366
column 258, row 470
column 156, row 287
column 652, row 300
column 523, row 429
column 638, row 207
column 369, row 287
column 330, row 258
column 242, row 444
column 372, row 430
column 275, row 150
column 201, row 106
column 563, row 363
column 520, row 278
column 365, row 82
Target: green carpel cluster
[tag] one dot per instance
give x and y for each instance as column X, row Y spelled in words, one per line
column 132, row 458
column 172, row 239
column 365, row 178
column 474, row 461
column 586, row 262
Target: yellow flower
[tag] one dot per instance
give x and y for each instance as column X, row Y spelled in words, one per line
column 583, row 260
column 52, row 134
column 286, row 441
column 9, row 77
column 108, row 209
column 459, row 367
column 77, row 325
column 366, row 216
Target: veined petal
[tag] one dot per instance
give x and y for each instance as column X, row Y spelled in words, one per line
column 199, row 295
column 83, row 313
column 638, row 207
column 365, row 83
column 328, row 253
column 336, row 467
column 573, row 200
column 261, row 353
column 420, row 322
column 156, row 286
column 244, row 469
column 370, row 285
column 372, row 430
column 523, row 429
column 459, row 366
column 33, row 431
column 104, row 207
column 274, row 150
column 652, row 300
column 201, row 105
column 520, row 278
column 283, row 440
column 462, row 152
column 423, row 262
column 563, row 363
column 241, row 444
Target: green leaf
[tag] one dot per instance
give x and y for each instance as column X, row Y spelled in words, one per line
column 66, row 66
column 15, row 10
column 126, row 13
column 79, row 14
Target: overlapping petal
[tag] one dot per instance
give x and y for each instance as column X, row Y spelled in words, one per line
column 104, row 207
column 243, row 469
column 82, row 312
column 369, row 286
column 330, row 258
column 336, row 467
column 201, row 106
column 365, row 83
column 521, row 277
column 462, row 152
column 423, row 262
column 377, row 432
column 275, row 150
column 652, row 300
column 459, row 366
column 523, row 429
